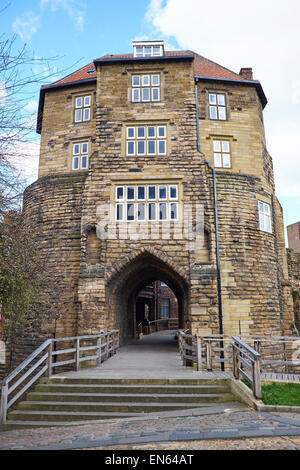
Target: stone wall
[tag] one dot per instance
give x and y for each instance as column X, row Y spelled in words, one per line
column 52, row 207
column 293, row 259
column 100, row 271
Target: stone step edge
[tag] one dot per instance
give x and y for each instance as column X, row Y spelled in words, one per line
column 134, row 395
column 113, row 403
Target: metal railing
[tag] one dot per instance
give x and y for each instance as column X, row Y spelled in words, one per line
column 245, row 357
column 43, row 361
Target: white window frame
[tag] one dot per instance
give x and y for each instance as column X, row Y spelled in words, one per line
column 145, row 85
column 121, row 199
column 218, row 107
column 79, row 155
column 177, row 211
column 148, row 50
column 82, row 108
column 264, row 213
column 120, row 204
column 222, row 153
column 146, row 201
column 135, row 138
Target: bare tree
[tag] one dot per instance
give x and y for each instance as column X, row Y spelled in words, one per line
column 25, row 284
column 21, row 73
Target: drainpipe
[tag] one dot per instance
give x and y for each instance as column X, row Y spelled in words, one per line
column 197, row 116
column 217, row 230
column 218, row 262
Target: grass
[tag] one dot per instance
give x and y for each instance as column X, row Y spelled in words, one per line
column 279, row 393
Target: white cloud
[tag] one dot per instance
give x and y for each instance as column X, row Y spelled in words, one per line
column 32, row 106
column 26, row 25
column 261, row 34
column 26, row 160
column 73, row 8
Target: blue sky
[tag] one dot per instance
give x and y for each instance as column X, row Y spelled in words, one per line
column 264, row 35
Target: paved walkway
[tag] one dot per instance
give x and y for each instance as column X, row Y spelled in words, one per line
column 220, row 427
column 154, row 356
column 223, row 426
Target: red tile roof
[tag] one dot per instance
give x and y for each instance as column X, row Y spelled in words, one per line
column 206, row 68
column 202, row 67
column 82, row 74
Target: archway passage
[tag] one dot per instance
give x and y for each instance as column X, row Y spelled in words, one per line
column 124, row 288
column 156, row 309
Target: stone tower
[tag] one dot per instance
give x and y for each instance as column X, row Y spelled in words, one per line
column 154, row 166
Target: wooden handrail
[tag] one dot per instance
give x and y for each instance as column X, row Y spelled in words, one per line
column 245, row 356
column 107, row 344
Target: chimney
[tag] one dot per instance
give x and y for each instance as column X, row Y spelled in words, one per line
column 247, row 73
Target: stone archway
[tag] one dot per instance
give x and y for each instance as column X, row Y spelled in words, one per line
column 123, row 287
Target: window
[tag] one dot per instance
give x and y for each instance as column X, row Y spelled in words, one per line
column 80, row 156
column 221, row 153
column 217, row 106
column 264, row 217
column 146, row 202
column 165, row 308
column 145, row 88
column 148, row 49
column 82, row 108
column 146, row 140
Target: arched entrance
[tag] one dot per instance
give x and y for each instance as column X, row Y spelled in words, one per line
column 125, row 286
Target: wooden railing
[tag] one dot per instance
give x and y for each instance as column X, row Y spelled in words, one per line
column 154, row 325
column 190, row 349
column 246, row 362
column 278, row 353
column 266, row 353
column 44, row 360
column 164, row 321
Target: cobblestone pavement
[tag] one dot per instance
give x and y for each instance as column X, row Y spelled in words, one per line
column 237, row 427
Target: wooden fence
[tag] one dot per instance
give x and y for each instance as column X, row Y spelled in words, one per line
column 73, row 351
column 278, row 353
column 248, row 356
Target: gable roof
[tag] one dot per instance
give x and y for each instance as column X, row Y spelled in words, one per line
column 203, row 69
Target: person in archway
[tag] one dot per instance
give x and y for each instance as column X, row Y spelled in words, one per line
column 146, row 320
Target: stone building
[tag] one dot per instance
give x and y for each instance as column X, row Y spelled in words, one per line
column 293, row 233
column 154, row 167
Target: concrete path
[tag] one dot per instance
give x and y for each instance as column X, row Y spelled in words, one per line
column 154, row 356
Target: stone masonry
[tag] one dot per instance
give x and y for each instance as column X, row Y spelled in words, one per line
column 104, row 264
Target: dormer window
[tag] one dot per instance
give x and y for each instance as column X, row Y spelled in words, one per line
column 148, row 48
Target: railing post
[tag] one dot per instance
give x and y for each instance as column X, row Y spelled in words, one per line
column 77, row 353
column 50, row 351
column 257, row 345
column 209, row 355
column 235, row 362
column 198, row 352
column 118, row 341
column 99, row 351
column 256, row 379
column 3, row 408
column 107, row 346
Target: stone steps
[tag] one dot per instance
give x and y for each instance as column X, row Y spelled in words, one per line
column 74, row 400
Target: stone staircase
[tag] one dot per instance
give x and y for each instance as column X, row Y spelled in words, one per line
column 61, row 401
